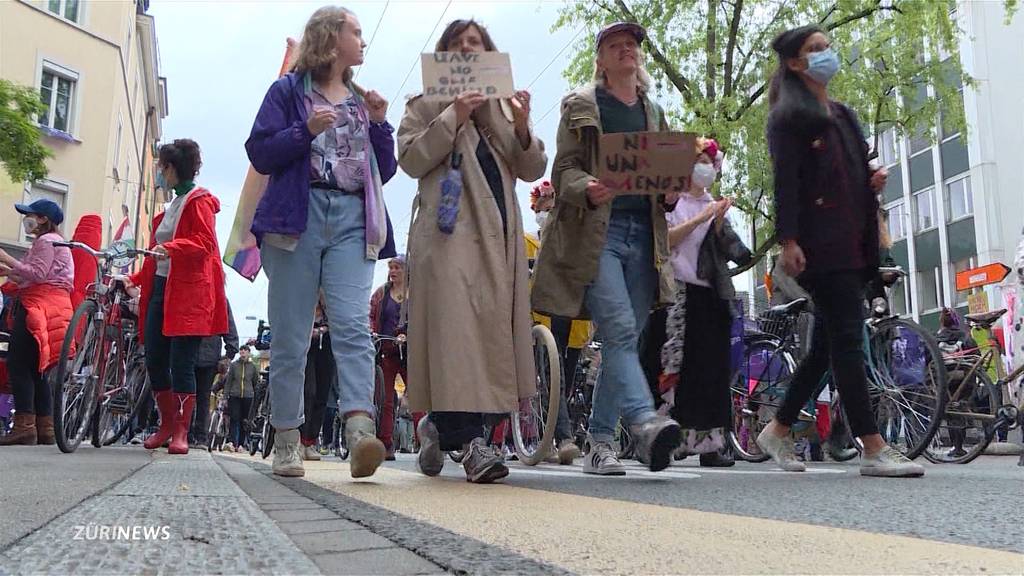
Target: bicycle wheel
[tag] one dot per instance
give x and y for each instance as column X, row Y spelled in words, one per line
column 113, row 389
column 378, row 396
column 73, row 383
column 268, row 438
column 136, row 390
column 906, row 384
column 340, row 449
column 757, row 391
column 533, row 425
column 962, row 435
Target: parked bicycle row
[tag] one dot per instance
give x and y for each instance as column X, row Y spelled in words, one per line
column 454, row 320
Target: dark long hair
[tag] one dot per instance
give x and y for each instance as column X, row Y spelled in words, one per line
column 457, row 27
column 790, row 102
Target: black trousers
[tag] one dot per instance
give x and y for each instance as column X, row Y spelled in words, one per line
column 561, row 327
column 170, row 361
column 837, row 340
column 651, row 342
column 702, row 399
column 321, row 375
column 31, row 391
column 239, row 408
column 456, row 429
column 201, row 418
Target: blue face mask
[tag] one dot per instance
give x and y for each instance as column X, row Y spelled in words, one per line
column 822, row 66
column 160, row 181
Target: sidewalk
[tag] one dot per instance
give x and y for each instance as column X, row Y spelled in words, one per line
column 194, row 515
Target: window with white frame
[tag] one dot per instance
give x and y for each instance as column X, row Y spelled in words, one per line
column 959, row 199
column 46, row 189
column 117, row 144
column 896, row 216
column 959, row 266
column 67, row 9
column 924, row 210
column 58, row 90
column 899, row 298
column 888, row 147
column 928, row 286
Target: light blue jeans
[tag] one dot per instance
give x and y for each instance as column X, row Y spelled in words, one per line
column 331, row 255
column 619, row 301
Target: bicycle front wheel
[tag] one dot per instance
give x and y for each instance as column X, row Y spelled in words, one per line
column 136, row 390
column 114, row 394
column 74, row 386
column 963, row 433
column 533, row 425
column 906, row 384
column 757, row 393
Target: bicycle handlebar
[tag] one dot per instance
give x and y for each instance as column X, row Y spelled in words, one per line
column 893, row 270
column 105, row 254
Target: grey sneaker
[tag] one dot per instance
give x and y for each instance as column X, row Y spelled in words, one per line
column 287, row 453
column 781, row 450
column 430, row 460
column 568, row 451
column 656, row 440
column 889, row 463
column 483, row 464
column 601, row 460
column 310, row 453
column 367, row 451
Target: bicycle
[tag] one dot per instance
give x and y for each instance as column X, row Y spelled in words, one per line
column 905, row 373
column 974, row 410
column 90, row 382
column 260, row 431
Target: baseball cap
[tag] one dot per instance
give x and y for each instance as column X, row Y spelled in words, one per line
column 42, row 207
column 633, row 28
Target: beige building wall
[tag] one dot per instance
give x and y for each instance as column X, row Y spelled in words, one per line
column 103, row 157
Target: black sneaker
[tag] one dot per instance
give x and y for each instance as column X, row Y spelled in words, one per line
column 483, row 464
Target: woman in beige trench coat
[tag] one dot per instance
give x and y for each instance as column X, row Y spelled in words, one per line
column 470, row 351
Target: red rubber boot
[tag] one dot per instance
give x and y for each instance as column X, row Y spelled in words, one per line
column 167, row 408
column 179, row 441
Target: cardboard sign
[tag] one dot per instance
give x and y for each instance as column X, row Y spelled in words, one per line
column 641, row 163
column 983, row 276
column 448, row 74
column 977, row 303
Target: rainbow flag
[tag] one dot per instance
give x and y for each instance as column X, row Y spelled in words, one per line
column 241, row 252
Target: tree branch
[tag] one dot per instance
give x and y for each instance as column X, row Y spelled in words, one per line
column 863, row 14
column 730, row 49
column 759, row 255
column 712, row 47
column 759, row 40
column 750, row 101
column 673, row 74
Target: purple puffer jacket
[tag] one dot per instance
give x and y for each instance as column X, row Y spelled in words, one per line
column 280, row 146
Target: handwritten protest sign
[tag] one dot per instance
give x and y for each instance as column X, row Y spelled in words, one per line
column 448, row 74
column 646, row 162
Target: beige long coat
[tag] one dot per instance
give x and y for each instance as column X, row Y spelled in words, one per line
column 470, row 348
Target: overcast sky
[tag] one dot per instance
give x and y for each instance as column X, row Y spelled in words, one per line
column 220, row 56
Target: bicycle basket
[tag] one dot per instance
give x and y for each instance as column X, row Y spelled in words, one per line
column 779, row 326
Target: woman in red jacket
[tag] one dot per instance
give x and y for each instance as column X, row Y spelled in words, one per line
column 182, row 291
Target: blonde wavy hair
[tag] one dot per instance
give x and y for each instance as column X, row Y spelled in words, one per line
column 317, row 50
column 643, row 78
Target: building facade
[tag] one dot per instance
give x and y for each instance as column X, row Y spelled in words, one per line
column 956, row 203
column 96, row 66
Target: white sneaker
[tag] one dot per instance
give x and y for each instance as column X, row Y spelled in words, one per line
column 602, row 460
column 288, row 453
column 310, row 453
column 889, row 463
column 781, row 450
column 368, row 452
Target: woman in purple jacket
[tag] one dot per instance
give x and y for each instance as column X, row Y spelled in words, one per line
column 322, row 224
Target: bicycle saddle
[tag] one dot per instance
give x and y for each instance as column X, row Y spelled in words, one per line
column 985, row 319
column 791, row 309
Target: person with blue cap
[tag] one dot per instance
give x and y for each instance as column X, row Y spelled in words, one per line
column 41, row 313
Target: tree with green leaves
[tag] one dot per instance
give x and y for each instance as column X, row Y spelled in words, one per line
column 22, row 154
column 712, row 63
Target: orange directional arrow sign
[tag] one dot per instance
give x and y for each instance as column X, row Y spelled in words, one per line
column 983, row 276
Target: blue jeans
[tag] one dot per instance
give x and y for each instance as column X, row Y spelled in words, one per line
column 619, row 301
column 330, row 255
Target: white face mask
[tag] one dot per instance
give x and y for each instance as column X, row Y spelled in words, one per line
column 704, row 175
column 542, row 218
column 29, row 224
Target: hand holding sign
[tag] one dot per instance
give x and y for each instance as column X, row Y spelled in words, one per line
column 465, row 104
